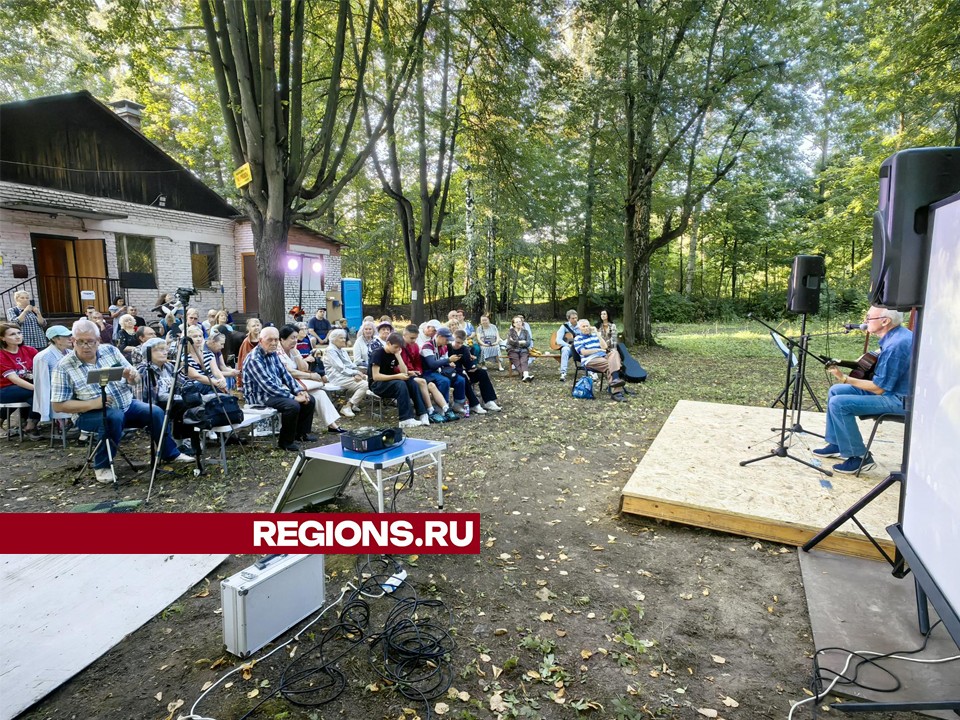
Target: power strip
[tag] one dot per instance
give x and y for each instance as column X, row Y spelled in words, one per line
column 393, row 582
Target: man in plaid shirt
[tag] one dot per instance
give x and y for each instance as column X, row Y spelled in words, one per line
column 267, row 382
column 71, row 393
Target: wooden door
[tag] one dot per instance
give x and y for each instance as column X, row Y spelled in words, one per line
column 251, row 298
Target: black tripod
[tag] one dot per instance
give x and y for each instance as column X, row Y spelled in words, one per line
column 102, row 378
column 796, row 379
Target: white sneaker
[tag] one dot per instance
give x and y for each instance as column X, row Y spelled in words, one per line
column 526, row 376
column 410, row 422
column 211, row 435
column 563, row 377
column 347, row 411
column 84, row 437
column 182, row 458
column 425, row 419
column 491, row 405
column 104, row 475
column 458, row 409
column 478, row 409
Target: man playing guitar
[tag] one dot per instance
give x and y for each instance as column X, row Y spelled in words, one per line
column 883, row 393
column 563, row 341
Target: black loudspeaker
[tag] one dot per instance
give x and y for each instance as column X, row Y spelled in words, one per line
column 910, row 182
column 803, row 292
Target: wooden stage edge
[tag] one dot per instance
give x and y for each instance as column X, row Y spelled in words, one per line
column 845, row 543
column 691, row 474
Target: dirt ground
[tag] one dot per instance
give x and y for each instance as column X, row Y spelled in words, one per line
column 570, row 609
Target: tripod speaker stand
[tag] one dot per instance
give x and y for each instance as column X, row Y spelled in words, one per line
column 792, row 388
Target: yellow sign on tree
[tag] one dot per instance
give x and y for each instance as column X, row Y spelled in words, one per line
column 242, row 176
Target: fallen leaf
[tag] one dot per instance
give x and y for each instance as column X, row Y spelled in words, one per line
column 707, row 712
column 561, row 633
column 219, row 663
column 757, row 546
column 441, row 708
column 253, row 693
column 718, row 659
column 207, row 685
column 730, row 702
column 464, row 696
column 496, row 671
column 546, row 617
column 586, row 654
column 543, row 594
column 159, row 696
column 497, row 704
column 171, row 707
column 485, row 657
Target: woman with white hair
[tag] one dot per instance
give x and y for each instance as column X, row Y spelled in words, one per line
column 362, row 347
column 312, row 382
column 27, row 315
column 342, row 371
column 126, row 338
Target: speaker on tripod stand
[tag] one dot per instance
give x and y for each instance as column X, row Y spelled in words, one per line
column 803, row 290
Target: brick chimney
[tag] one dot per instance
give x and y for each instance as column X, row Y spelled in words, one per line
column 129, row 110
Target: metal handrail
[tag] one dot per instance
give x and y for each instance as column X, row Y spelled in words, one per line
column 61, row 293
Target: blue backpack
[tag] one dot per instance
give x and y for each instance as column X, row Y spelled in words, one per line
column 584, row 388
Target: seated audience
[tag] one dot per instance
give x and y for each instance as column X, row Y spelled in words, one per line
column 364, row 343
column 61, row 345
column 126, row 337
column 607, row 329
column 192, row 317
column 211, row 320
column 138, row 320
column 388, row 377
column 383, row 332
column 427, row 331
column 319, row 327
column 158, row 383
column 304, row 346
column 425, row 395
column 201, row 363
column 440, row 368
column 27, row 316
column 70, row 393
column 104, row 328
column 215, row 345
column 595, row 356
column 267, row 383
column 344, row 372
column 16, row 374
column 135, row 354
column 564, row 340
column 246, row 347
column 223, row 320
column 312, row 381
column 518, row 347
column 473, row 373
column 489, row 338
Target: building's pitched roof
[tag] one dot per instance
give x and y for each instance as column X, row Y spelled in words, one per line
column 75, row 143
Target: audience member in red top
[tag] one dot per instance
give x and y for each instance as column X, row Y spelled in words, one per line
column 16, row 371
column 254, row 326
column 431, row 397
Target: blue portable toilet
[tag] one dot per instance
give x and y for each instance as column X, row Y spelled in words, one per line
column 351, row 289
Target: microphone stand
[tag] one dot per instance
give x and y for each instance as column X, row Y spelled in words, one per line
column 796, row 400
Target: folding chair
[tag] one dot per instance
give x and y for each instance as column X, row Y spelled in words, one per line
column 579, row 366
column 877, row 421
column 8, row 409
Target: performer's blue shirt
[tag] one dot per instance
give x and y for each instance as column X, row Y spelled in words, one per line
column 892, row 372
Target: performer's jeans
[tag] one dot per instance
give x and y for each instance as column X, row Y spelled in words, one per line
column 844, row 404
column 138, row 415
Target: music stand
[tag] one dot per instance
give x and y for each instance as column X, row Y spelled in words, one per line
column 103, row 377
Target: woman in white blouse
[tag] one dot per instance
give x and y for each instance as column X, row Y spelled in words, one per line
column 361, row 348
column 312, row 382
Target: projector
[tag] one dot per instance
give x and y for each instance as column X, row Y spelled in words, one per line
column 370, row 439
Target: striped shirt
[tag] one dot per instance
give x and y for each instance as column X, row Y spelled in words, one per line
column 209, row 362
column 588, row 342
column 70, row 379
column 265, row 377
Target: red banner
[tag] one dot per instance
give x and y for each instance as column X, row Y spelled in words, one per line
column 239, row 533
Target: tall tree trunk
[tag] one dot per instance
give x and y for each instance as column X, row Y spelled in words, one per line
column 554, row 300
column 692, row 251
column 587, row 277
column 733, row 268
column 491, row 274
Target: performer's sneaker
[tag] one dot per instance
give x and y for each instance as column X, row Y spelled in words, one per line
column 104, row 475
column 828, row 451
column 852, row 465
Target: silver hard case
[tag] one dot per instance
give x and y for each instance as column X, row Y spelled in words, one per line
column 266, row 599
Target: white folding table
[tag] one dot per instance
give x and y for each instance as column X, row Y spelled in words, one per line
column 331, row 468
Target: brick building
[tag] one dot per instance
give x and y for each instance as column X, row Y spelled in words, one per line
column 91, row 207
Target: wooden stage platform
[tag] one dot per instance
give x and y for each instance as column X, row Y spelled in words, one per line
column 691, row 475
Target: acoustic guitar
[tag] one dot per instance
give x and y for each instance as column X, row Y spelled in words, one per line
column 861, row 368
column 567, row 338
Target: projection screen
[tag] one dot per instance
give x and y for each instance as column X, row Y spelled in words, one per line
column 931, row 513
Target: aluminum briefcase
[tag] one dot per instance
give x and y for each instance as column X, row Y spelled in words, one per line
column 268, row 598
